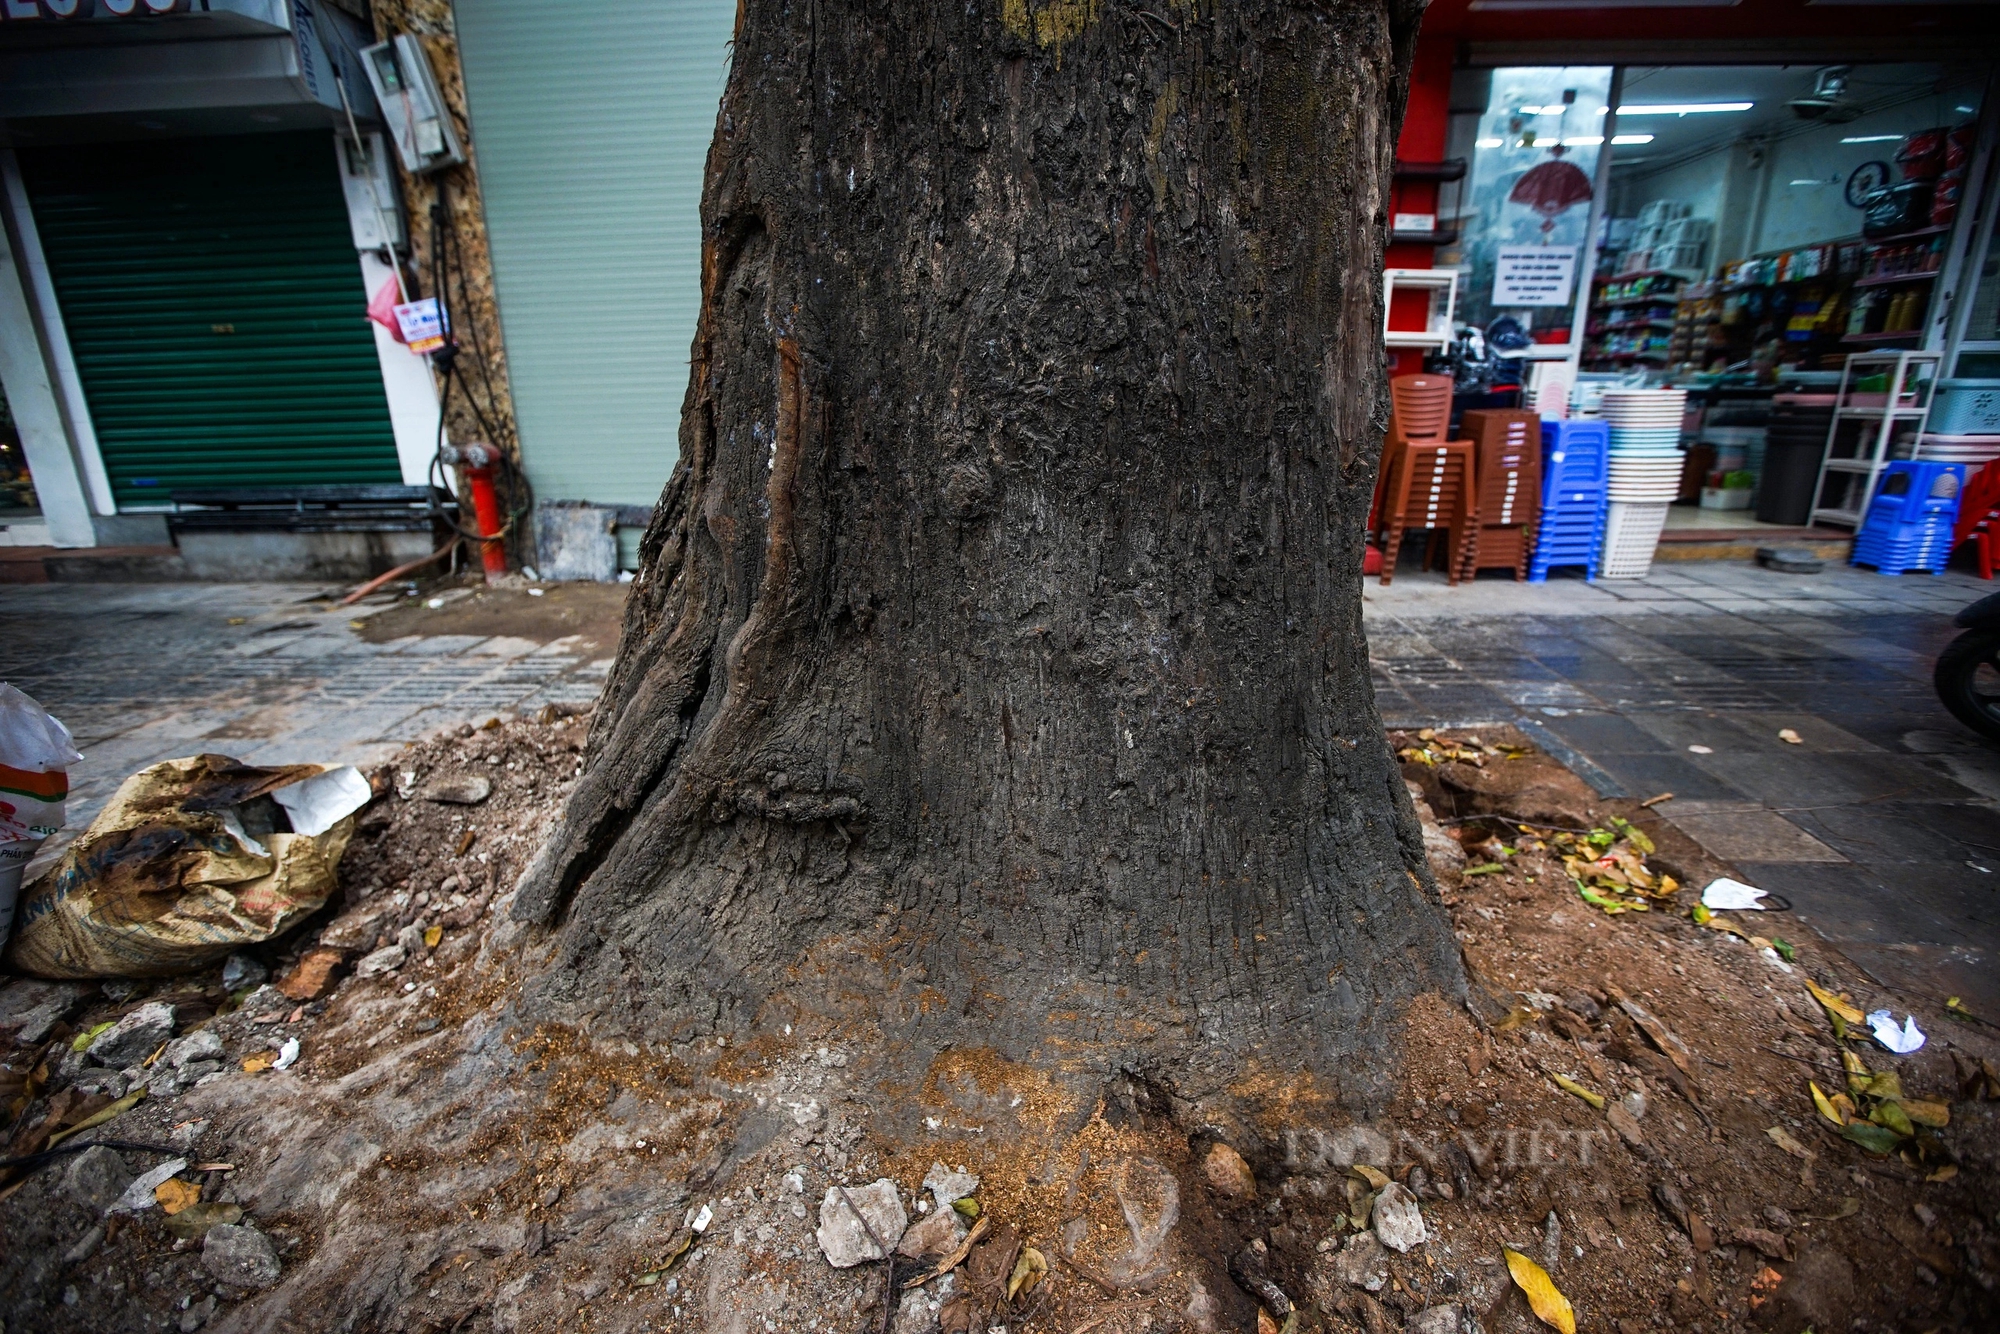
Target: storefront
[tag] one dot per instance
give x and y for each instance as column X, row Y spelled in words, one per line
column 1602, row 199
column 196, row 219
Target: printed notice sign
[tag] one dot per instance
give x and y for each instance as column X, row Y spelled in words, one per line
column 1533, row 275
column 421, row 324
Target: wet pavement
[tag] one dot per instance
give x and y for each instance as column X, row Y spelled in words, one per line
column 1882, row 826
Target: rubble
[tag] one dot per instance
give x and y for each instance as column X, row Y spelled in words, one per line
column 858, row 1223
column 1399, row 1224
column 240, row 1256
column 1227, row 1171
column 135, row 1037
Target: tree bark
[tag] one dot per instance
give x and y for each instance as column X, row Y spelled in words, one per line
column 995, row 671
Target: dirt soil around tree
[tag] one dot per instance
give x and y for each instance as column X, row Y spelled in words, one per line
column 1626, row 1105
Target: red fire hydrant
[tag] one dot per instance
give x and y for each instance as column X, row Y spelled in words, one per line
column 476, row 461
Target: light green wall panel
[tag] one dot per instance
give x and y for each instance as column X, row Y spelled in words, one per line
column 590, row 127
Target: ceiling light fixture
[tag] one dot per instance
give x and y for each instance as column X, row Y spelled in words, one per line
column 1816, row 181
column 1683, row 108
column 1631, row 138
column 1870, row 138
column 1487, row 143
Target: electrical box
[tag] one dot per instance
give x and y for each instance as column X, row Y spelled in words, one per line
column 374, row 211
column 411, row 105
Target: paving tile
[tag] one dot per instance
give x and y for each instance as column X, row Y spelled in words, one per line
column 1741, row 833
column 1646, row 775
column 1604, row 733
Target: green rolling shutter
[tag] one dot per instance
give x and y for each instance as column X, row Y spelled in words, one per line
column 215, row 309
column 590, row 126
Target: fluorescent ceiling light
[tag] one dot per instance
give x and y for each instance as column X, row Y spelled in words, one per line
column 1583, row 141
column 1870, row 138
column 1816, row 181
column 1631, row 138
column 1963, row 110
column 1683, row 108
column 1487, row 143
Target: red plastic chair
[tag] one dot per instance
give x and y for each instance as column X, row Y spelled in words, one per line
column 1508, row 445
column 1428, row 481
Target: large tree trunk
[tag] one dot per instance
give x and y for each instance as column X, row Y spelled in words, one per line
column 995, row 673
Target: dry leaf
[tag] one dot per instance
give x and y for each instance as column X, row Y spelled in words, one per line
column 259, row 1062
column 1825, row 1105
column 1029, row 1270
column 1945, row 1173
column 432, row 935
column 1265, row 1325
column 175, row 1194
column 1370, row 1175
column 1787, row 734
column 1833, row 1004
column 1549, row 1304
column 1571, row 1086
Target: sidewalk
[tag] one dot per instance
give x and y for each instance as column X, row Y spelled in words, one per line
column 268, row 673
column 1883, row 827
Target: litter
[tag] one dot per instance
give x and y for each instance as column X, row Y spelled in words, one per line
column 35, row 755
column 287, row 1055
column 189, row 861
column 1902, row 1040
column 1731, row 895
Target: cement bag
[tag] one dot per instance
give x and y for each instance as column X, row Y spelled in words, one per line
column 35, row 755
column 190, row 859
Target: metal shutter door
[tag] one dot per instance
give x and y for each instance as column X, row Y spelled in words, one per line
column 215, row 310
column 590, row 127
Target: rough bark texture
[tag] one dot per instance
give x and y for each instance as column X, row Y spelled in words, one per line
column 996, row 671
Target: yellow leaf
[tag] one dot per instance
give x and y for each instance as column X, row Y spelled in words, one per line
column 1029, row 1270
column 263, row 1060
column 1859, row 1077
column 1549, row 1304
column 1370, row 1175
column 1825, row 1105
column 1888, row 1085
column 100, row 1116
column 1833, row 1003
column 1571, row 1086
column 1936, row 1115
column 175, row 1195
column 1845, row 1106
column 1945, row 1173
column 432, row 935
column 1783, row 1139
column 967, row 1207
column 1890, row 1116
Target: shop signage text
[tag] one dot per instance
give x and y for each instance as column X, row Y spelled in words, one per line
column 1533, row 275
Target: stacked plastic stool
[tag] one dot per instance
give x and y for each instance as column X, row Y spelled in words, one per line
column 1428, row 481
column 1508, row 446
column 1571, row 526
column 1910, row 520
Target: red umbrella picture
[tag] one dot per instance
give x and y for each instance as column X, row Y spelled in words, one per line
column 1551, row 187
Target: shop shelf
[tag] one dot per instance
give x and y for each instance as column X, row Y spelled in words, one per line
column 1882, row 337
column 1907, row 236
column 1884, row 280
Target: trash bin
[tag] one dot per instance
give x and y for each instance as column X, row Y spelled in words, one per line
column 1791, row 471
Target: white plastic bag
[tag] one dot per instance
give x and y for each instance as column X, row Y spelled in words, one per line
column 35, row 755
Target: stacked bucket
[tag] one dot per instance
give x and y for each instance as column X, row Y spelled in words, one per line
column 1643, row 475
column 1910, row 521
column 1572, row 518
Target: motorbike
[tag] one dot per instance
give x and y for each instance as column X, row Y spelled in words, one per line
column 1967, row 675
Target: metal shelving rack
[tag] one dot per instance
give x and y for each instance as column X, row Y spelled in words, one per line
column 1867, row 465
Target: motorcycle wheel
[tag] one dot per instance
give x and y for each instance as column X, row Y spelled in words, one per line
column 1968, row 680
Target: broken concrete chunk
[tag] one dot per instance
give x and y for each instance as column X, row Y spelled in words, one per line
column 313, row 976
column 934, row 1236
column 1228, row 1172
column 383, row 961
column 135, row 1037
column 1399, row 1224
column 138, row 1194
column 843, row 1237
column 946, row 1185
column 32, row 1008
column 1362, row 1263
column 240, row 1256
column 201, row 1045
column 1436, row 1320
column 240, row 971
column 469, row 790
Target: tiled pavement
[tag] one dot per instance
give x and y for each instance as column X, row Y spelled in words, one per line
column 1883, row 828
column 146, row 672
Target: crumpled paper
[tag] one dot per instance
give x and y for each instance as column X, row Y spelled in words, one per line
column 1726, row 895
column 1902, row 1040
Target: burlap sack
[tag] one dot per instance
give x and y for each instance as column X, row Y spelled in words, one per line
column 167, row 879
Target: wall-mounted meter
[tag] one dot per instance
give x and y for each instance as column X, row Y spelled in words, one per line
column 411, row 106
column 374, row 210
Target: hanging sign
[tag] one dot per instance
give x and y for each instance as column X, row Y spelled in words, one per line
column 1533, row 275
column 421, row 324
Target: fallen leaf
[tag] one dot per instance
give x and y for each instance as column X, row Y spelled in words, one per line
column 1766, row 1243
column 1571, row 1086
column 465, row 842
column 1029, row 1270
column 1825, row 1105
column 968, row 1207
column 1656, row 1032
column 432, row 935
column 89, row 1035
column 1787, row 734
column 175, row 1194
column 193, row 1222
column 1783, row 1139
column 214, row 1167
column 1873, row 1138
column 100, row 1116
column 1550, row 1306
column 1945, row 1173
column 1859, row 1076
column 1850, row 1205
column 1891, row 1116
column 260, row 1061
column 1369, row 1174
column 1833, row 1004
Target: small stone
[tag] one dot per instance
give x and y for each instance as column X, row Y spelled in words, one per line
column 138, row 1194
column 1399, row 1224
column 135, row 1037
column 411, row 940
column 920, row 1308
column 353, row 930
column 96, row 1178
column 1778, row 1218
column 1228, row 1172
column 383, row 961
column 201, row 1045
column 1635, row 1103
column 1362, row 1263
column 312, row 976
column 841, row 1236
column 933, row 1236
column 86, row 1245
column 32, row 1008
column 1435, row 1320
column 99, row 1081
column 197, row 1315
column 947, row 1186
column 467, row 791
column 1626, row 1124
column 240, row 971
column 240, row 1256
